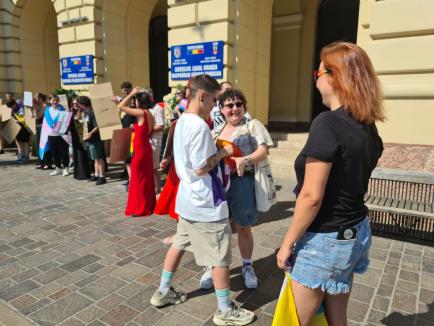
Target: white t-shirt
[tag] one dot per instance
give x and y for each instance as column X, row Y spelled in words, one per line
column 157, row 136
column 197, row 198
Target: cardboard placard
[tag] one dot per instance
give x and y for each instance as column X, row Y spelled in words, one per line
column 120, row 145
column 63, row 101
column 28, row 99
column 30, row 120
column 5, row 113
column 10, row 130
column 106, row 114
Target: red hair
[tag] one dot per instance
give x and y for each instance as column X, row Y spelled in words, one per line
column 355, row 81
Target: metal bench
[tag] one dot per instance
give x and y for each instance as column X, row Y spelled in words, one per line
column 401, row 208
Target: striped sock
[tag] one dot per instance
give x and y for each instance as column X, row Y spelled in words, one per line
column 223, row 300
column 166, row 279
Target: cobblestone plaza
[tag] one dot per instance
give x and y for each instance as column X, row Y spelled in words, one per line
column 68, row 256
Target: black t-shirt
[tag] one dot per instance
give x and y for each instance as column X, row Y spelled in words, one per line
column 353, row 149
column 91, row 124
column 128, row 120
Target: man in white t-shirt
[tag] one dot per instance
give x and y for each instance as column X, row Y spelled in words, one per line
column 203, row 225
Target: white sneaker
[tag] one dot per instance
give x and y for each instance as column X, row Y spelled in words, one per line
column 250, row 279
column 57, row 171
column 206, row 279
column 233, row 316
column 65, row 172
column 171, row 297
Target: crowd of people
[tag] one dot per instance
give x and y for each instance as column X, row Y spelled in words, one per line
column 211, row 153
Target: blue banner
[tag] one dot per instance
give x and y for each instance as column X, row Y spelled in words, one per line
column 77, row 70
column 188, row 60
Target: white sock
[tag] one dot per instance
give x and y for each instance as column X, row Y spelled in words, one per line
column 223, row 300
column 166, row 280
column 247, row 261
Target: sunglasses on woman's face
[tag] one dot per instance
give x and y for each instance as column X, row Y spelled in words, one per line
column 319, row 73
column 231, row 105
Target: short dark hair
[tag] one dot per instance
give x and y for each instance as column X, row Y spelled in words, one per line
column 144, row 100
column 126, row 84
column 203, row 82
column 85, row 101
column 41, row 96
column 11, row 103
column 232, row 94
column 52, row 95
column 12, row 94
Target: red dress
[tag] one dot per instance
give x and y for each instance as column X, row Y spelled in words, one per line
column 166, row 201
column 141, row 194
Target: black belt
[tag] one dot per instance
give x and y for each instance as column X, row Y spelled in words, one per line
column 248, row 173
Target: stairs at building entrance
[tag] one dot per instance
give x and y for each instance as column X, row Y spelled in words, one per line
column 286, row 148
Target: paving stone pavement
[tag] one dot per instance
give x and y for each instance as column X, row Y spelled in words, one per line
column 68, row 256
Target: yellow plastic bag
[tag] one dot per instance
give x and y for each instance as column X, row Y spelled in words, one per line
column 286, row 312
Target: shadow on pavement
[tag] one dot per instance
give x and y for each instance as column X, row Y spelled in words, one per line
column 280, row 211
column 397, row 318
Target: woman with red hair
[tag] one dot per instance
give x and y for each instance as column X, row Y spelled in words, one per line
column 329, row 238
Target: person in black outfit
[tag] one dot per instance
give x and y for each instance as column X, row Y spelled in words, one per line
column 81, row 160
column 329, row 238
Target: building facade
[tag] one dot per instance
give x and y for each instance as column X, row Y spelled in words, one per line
column 270, row 49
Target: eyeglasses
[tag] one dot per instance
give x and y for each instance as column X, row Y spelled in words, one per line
column 231, row 105
column 319, row 73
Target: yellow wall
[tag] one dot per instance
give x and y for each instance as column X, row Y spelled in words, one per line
column 401, row 47
column 125, row 25
column 293, row 46
column 201, row 22
column 39, row 47
column 269, row 49
column 245, row 27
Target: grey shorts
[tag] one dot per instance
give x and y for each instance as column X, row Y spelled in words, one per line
column 210, row 242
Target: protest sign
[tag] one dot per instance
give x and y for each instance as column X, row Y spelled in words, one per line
column 28, row 99
column 63, row 101
column 10, row 130
column 63, row 122
column 30, row 120
column 120, row 145
column 106, row 114
column 5, row 113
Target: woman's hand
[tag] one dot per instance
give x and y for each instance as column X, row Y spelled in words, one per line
column 284, row 256
column 136, row 90
column 164, row 163
column 240, row 164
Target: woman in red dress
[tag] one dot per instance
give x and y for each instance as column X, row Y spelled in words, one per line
column 141, row 194
column 166, row 201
